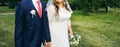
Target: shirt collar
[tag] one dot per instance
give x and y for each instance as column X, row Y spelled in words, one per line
column 34, row 0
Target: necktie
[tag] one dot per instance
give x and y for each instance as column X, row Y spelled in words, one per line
column 39, row 9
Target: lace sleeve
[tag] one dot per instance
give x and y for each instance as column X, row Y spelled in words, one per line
column 51, row 14
column 69, row 22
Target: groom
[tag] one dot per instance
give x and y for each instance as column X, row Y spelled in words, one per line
column 31, row 24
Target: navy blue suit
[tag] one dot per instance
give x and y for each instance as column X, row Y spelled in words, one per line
column 30, row 32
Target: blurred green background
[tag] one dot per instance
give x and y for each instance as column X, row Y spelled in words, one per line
column 97, row 21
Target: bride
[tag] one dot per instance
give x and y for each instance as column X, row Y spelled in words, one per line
column 59, row 13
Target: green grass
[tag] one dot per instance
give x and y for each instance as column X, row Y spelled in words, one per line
column 96, row 29
column 5, row 9
column 6, row 30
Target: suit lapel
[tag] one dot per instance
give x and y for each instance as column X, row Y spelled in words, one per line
column 31, row 5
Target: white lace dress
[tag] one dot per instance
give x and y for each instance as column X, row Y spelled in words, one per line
column 59, row 27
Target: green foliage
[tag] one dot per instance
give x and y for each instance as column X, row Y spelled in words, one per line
column 86, row 5
column 93, row 5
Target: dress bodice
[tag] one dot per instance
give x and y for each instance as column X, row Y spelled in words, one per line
column 64, row 14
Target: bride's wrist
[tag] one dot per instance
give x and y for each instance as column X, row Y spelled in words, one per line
column 71, row 35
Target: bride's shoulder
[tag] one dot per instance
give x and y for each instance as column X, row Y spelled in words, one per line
column 51, row 7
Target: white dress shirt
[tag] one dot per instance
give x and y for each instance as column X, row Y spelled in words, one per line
column 36, row 4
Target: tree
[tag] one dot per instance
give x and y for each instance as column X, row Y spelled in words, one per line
column 12, row 3
column 93, row 5
column 3, row 2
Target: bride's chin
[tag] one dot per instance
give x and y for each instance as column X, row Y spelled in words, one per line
column 59, row 1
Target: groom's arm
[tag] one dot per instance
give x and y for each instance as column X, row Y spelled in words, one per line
column 46, row 28
column 19, row 25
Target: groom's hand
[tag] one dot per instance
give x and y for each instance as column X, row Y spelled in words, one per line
column 47, row 44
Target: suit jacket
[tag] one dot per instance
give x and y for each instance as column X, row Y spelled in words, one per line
column 30, row 32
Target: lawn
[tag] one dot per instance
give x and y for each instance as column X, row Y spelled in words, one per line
column 6, row 30
column 96, row 29
column 4, row 9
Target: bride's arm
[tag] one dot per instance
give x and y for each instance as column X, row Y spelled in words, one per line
column 50, row 11
column 70, row 28
column 70, row 31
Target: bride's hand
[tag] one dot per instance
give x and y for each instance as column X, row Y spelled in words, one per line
column 71, row 35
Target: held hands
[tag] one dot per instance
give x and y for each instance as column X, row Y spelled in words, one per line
column 47, row 44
